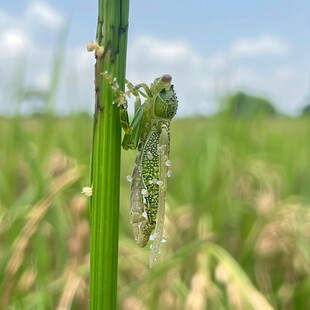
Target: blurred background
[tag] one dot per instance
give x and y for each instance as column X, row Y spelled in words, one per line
column 237, row 221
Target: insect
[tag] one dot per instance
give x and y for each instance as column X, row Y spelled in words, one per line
column 149, row 132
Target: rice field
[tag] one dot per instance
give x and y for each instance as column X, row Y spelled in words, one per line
column 237, row 220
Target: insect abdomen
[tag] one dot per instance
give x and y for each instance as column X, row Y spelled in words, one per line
column 150, row 175
column 142, row 228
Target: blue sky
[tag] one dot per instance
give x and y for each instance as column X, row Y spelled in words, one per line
column 209, row 47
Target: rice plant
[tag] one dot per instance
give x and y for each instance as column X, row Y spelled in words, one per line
column 110, row 54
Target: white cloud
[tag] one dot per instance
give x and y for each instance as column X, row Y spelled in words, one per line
column 23, row 49
column 13, row 42
column 41, row 11
column 260, row 46
column 162, row 50
column 150, row 57
column 281, row 82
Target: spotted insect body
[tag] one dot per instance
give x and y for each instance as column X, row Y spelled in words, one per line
column 149, row 132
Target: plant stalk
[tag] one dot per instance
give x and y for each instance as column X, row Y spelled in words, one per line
column 112, row 31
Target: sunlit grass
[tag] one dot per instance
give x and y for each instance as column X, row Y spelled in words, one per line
column 237, row 223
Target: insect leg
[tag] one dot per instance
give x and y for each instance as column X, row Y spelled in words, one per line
column 131, row 140
column 136, row 88
column 163, row 149
column 124, row 119
column 121, row 99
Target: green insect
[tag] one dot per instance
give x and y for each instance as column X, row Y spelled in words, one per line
column 149, row 132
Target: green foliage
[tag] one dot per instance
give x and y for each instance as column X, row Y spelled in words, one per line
column 236, row 217
column 306, row 110
column 241, row 104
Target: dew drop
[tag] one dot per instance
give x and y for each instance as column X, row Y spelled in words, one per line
column 129, row 178
column 149, row 155
column 154, row 181
column 160, row 183
column 144, row 192
column 169, row 173
column 168, row 163
column 144, row 215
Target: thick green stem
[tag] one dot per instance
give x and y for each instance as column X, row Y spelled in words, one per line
column 105, row 176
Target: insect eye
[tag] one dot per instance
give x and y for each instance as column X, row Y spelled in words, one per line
column 166, row 78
